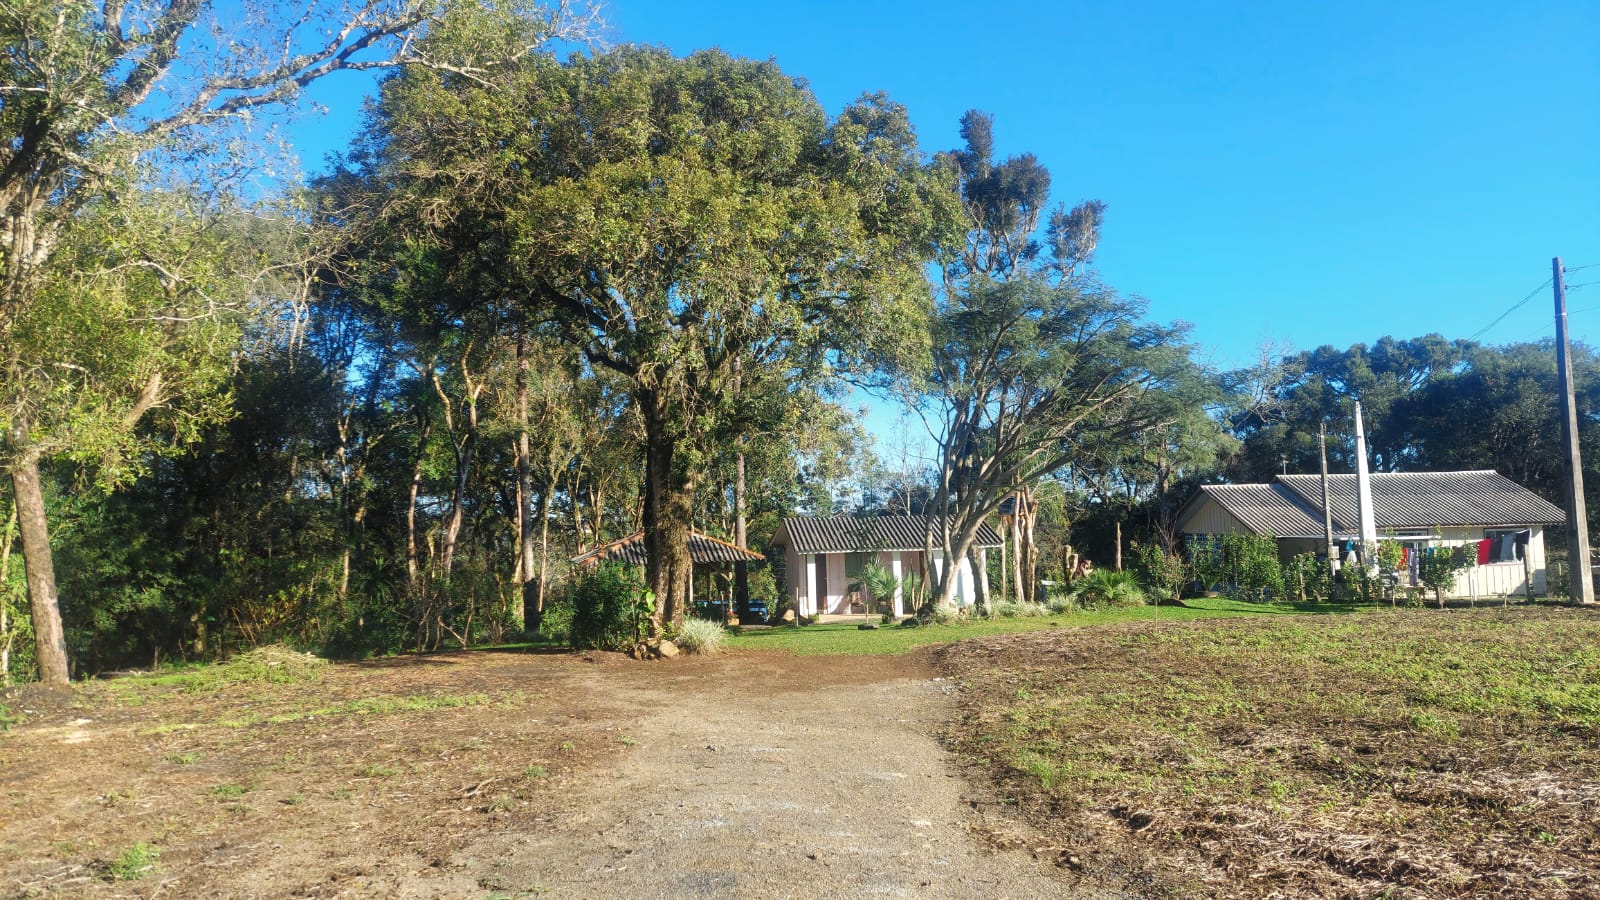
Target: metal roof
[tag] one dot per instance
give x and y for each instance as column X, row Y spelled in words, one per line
column 1268, row 509
column 702, row 549
column 1429, row 499
column 866, row 534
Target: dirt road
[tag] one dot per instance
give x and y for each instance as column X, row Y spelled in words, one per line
column 739, row 786
column 747, row 775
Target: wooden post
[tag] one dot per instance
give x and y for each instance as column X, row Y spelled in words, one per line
column 1119, row 545
column 1327, row 508
column 1577, row 514
column 1527, row 571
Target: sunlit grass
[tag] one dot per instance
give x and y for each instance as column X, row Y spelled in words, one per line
column 845, row 638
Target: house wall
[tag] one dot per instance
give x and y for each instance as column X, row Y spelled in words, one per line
column 1498, row 578
column 1289, row 548
column 966, row 591
column 1490, row 580
column 804, row 581
column 1208, row 517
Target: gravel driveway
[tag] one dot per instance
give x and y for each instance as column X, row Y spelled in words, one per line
column 770, row 776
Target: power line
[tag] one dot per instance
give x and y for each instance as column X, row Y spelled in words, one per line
column 1573, row 287
column 1514, row 307
column 1570, row 269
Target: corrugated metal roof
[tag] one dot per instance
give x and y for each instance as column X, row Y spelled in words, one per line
column 1429, row 499
column 862, row 534
column 1268, row 508
column 702, row 549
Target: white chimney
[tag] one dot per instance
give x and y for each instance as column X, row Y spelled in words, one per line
column 1368, row 523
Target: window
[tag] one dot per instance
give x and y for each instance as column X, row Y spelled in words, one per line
column 854, row 563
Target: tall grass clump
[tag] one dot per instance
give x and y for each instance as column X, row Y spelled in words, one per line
column 1108, row 587
column 701, row 636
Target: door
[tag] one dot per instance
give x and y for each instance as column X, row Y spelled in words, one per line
column 819, row 603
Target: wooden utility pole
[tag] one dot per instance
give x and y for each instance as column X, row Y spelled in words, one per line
column 1327, row 507
column 1577, row 515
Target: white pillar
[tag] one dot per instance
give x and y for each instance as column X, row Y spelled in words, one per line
column 809, row 604
column 896, row 568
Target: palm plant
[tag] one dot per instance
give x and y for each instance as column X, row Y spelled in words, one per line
column 1108, row 587
column 879, row 581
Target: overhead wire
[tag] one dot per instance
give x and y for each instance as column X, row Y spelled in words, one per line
column 1514, row 307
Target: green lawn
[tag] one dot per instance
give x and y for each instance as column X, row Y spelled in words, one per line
column 844, row 638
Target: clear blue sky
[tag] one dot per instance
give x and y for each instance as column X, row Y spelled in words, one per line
column 1306, row 173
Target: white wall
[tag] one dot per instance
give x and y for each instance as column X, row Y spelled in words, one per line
column 1496, row 578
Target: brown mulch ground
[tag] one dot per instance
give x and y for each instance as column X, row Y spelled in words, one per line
column 1411, row 754
column 503, row 774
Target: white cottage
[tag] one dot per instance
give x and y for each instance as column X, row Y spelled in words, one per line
column 823, row 555
column 1502, row 519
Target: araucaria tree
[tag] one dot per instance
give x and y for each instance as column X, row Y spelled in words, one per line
column 128, row 267
column 1032, row 356
column 684, row 222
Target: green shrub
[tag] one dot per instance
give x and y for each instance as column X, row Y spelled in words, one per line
column 135, row 862
column 609, row 607
column 1108, row 587
column 1027, row 609
column 701, row 636
column 763, row 586
column 1161, row 574
column 1244, row 566
column 1307, row 578
column 1004, row 609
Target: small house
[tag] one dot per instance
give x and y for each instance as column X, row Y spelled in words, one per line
column 704, row 552
column 824, row 555
column 1419, row 510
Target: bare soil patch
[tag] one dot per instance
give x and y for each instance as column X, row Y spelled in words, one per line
column 502, row 774
column 1409, row 754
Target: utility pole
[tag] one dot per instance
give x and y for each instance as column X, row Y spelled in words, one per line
column 1327, row 507
column 1577, row 515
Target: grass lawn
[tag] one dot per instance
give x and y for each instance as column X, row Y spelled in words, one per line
column 1401, row 753
column 844, row 638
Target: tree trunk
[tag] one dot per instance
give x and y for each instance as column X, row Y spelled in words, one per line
column 741, row 569
column 980, row 581
column 411, row 507
column 458, row 513
column 43, row 605
column 668, row 516
column 544, row 561
column 1017, row 512
column 7, row 538
column 525, row 491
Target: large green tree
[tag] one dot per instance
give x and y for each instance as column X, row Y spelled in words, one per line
column 1033, row 359
column 669, row 217
column 126, row 136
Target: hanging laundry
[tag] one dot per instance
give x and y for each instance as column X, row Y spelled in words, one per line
column 1483, row 551
column 1508, row 548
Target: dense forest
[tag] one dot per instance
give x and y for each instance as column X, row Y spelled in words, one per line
column 544, row 301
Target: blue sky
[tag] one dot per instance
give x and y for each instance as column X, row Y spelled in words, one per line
column 1301, row 173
